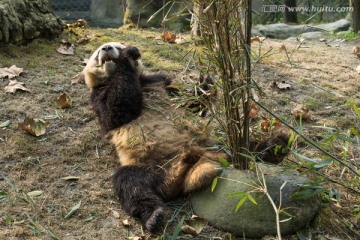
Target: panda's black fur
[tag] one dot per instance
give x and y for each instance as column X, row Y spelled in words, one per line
column 120, row 100
column 139, row 191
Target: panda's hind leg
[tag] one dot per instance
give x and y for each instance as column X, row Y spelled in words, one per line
column 146, row 79
column 137, row 189
column 200, row 175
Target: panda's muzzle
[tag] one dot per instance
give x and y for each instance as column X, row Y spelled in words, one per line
column 107, row 56
column 107, row 48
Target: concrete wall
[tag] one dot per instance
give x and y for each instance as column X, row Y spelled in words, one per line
column 107, row 12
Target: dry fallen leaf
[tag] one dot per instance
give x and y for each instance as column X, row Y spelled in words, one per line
column 33, row 126
column 125, row 222
column 283, row 86
column 335, row 43
column 255, row 95
column 137, row 238
column 282, row 47
column 70, row 178
column 10, row 72
column 301, row 111
column 265, row 125
column 254, row 110
column 15, row 85
column 258, row 39
column 83, row 40
column 358, row 69
column 66, row 48
column 168, row 37
column 115, row 214
column 78, row 78
column 81, row 23
column 179, row 40
column 63, row 101
column 194, row 226
column 356, row 51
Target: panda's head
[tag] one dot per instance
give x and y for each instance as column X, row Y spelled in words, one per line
column 109, row 52
column 121, row 56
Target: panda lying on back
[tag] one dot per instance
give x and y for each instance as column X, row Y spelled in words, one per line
column 160, row 159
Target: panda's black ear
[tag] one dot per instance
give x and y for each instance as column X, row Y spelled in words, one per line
column 132, row 53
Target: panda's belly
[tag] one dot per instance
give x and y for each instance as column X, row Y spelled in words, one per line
column 154, row 138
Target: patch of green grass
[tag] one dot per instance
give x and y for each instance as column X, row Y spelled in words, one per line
column 33, row 63
column 348, row 35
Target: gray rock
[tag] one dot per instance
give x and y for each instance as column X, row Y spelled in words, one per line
column 284, row 31
column 281, row 30
column 255, row 221
column 341, row 25
column 312, row 35
column 24, row 20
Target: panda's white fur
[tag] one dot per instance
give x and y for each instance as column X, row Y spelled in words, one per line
column 100, row 66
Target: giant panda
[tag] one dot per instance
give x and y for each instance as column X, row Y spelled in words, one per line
column 159, row 157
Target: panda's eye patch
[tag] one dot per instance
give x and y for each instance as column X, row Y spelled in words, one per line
column 107, row 48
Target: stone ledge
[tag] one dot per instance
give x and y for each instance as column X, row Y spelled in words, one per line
column 255, row 221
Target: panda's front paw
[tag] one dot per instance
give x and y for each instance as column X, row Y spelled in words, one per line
column 109, row 67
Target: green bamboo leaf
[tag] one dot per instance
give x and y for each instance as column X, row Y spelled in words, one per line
column 247, row 156
column 323, row 163
column 52, row 235
column 291, row 139
column 224, row 163
column 11, row 184
column 157, row 12
column 3, row 195
column 285, row 220
column 251, row 199
column 304, row 157
column 5, row 124
column 73, row 210
column 237, row 194
column 34, row 193
column 8, row 219
column 355, row 132
column 356, row 109
column 214, row 183
column 178, row 229
column 241, row 202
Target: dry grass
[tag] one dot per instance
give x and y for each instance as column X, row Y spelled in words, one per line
column 72, row 145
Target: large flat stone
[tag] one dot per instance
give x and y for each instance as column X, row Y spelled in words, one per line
column 283, row 31
column 255, row 221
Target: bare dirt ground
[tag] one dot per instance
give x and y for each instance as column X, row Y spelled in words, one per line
column 322, row 78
